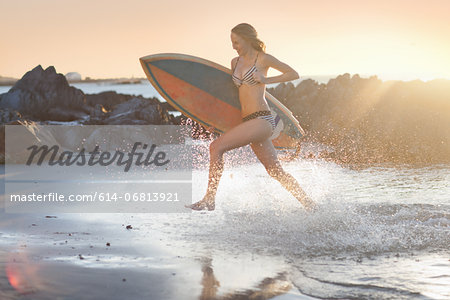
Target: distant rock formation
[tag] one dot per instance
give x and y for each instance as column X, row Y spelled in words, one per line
column 7, row 80
column 73, row 77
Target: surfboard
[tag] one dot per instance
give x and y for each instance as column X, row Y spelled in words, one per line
column 203, row 91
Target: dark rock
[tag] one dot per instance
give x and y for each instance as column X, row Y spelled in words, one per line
column 44, row 95
column 8, row 115
column 138, row 111
column 168, row 107
column 119, row 109
column 177, row 120
column 107, row 99
column 98, row 112
column 40, row 91
column 110, row 99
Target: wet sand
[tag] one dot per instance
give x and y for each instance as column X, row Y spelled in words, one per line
column 50, row 257
column 124, row 256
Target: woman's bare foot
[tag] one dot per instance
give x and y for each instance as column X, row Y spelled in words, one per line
column 207, row 203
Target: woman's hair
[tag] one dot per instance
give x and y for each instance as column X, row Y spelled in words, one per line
column 248, row 33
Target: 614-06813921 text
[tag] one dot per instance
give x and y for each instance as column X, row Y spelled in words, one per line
column 96, row 196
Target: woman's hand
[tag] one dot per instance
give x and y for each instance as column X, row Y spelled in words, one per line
column 259, row 77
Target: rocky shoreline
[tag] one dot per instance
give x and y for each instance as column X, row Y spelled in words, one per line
column 43, row 97
column 364, row 120
column 367, row 121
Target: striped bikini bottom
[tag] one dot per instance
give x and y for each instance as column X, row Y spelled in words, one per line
column 262, row 114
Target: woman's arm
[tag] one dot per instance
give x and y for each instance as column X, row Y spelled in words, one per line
column 288, row 73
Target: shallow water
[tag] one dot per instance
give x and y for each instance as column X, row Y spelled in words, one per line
column 380, row 233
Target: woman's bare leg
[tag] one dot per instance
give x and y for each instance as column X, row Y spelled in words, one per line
column 255, row 130
column 265, row 151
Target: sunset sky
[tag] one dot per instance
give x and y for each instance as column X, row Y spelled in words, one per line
column 393, row 39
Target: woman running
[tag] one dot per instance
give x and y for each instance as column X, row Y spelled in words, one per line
column 249, row 71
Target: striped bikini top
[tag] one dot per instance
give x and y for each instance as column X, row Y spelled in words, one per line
column 248, row 76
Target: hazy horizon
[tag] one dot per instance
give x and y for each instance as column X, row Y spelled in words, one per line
column 104, row 39
column 302, row 76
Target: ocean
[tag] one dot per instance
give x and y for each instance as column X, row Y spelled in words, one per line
column 144, row 88
column 381, row 232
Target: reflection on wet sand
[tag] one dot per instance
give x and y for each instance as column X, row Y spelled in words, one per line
column 23, row 277
column 268, row 288
column 21, row 273
column 209, row 282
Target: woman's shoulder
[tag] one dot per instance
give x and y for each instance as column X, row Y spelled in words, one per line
column 234, row 61
column 266, row 56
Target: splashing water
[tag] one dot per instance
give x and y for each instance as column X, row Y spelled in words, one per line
column 373, row 211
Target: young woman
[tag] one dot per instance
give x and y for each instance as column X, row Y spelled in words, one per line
column 250, row 76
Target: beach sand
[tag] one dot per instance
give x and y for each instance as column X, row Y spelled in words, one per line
column 60, row 257
column 126, row 256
